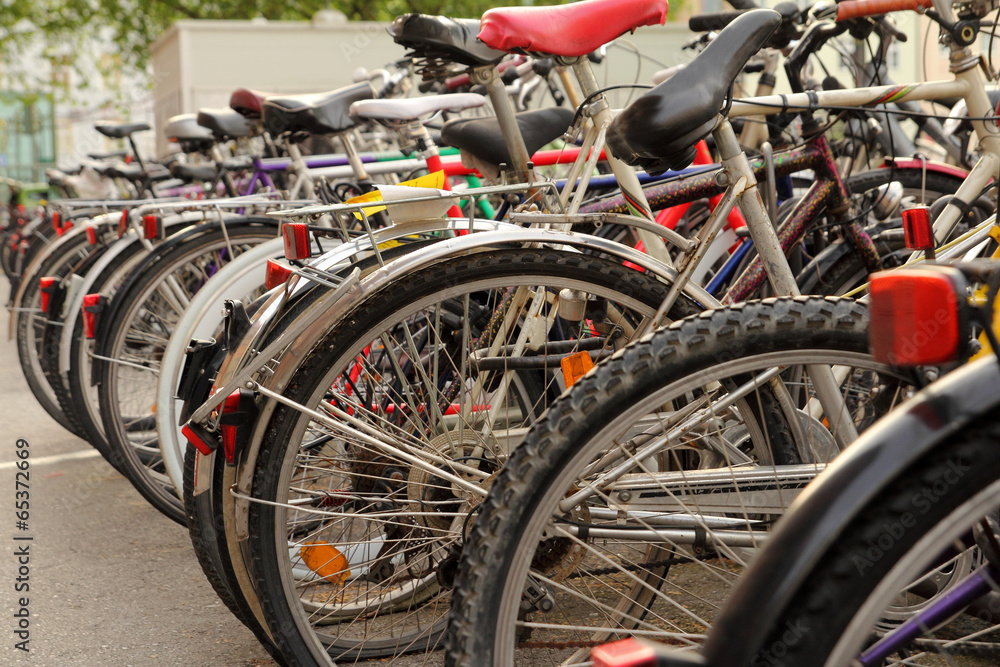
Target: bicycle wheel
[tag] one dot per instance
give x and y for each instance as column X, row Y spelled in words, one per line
column 634, row 505
column 349, row 537
column 30, row 326
column 138, row 329
column 922, row 551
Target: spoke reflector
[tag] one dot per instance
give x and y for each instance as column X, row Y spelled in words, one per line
column 326, row 561
column 575, row 366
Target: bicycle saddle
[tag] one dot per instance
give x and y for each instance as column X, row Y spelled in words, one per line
column 134, row 172
column 194, row 172
column 185, row 130
column 415, row 107
column 119, row 130
column 247, row 102
column 439, row 37
column 113, row 155
column 324, row 113
column 659, row 130
column 482, row 137
column 224, row 123
column 574, row 29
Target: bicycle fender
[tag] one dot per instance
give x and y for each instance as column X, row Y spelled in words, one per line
column 821, row 513
column 193, row 232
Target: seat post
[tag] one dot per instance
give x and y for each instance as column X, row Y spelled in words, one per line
column 765, row 238
column 135, row 152
column 628, row 181
column 504, row 110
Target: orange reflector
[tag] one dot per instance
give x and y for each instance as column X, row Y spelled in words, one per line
column 276, row 274
column 326, row 561
column 918, row 232
column 46, row 286
column 918, row 316
column 56, row 220
column 123, row 224
column 626, row 653
column 575, row 366
column 296, row 235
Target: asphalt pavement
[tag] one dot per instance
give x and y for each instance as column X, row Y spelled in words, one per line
column 105, row 578
column 109, row 580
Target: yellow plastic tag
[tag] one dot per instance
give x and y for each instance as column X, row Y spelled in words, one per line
column 435, row 180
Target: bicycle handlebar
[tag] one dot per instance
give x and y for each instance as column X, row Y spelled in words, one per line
column 853, row 9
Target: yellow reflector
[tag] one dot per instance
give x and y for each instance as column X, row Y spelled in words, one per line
column 326, row 561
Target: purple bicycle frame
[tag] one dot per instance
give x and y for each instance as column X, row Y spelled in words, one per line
column 827, row 193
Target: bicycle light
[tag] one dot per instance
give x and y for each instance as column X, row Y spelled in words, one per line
column 46, row 286
column 918, row 316
column 93, row 305
column 152, row 227
column 199, row 438
column 123, row 224
column 918, row 231
column 276, row 274
column 237, row 416
column 296, row 235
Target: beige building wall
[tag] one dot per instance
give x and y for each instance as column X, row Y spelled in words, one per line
column 199, row 63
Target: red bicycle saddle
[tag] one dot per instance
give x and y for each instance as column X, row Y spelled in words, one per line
column 569, row 30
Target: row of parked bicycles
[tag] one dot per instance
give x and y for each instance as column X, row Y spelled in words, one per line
column 512, row 377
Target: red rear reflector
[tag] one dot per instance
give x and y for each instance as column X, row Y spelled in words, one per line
column 626, row 653
column 917, row 229
column 276, row 274
column 152, row 227
column 93, row 304
column 46, row 286
column 236, row 416
column 55, row 220
column 92, row 235
column 196, row 439
column 296, row 235
column 60, row 231
column 917, row 316
column 123, row 224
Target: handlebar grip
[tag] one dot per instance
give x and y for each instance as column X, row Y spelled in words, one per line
column 713, row 20
column 853, row 9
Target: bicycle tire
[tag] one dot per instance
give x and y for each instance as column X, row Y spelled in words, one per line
column 719, row 347
column 823, row 608
column 396, row 302
column 132, row 301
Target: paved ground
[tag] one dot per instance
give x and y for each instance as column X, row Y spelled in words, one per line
column 112, row 582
